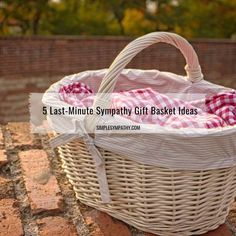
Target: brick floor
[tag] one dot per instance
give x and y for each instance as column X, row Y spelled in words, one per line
column 6, row 188
column 20, row 134
column 57, row 226
column 221, row 231
column 3, row 158
column 43, row 190
column 103, row 224
column 1, row 138
column 10, row 222
column 36, row 199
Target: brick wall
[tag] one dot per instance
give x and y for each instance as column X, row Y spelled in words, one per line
column 31, row 64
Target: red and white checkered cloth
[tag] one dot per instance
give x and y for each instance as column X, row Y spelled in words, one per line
column 224, row 106
column 221, row 108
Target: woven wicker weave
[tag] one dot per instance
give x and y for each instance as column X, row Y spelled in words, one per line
column 153, row 199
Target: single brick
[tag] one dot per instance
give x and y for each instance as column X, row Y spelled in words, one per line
column 10, row 223
column 42, row 187
column 101, row 224
column 21, row 135
column 6, row 188
column 3, row 158
column 223, row 230
column 57, row 226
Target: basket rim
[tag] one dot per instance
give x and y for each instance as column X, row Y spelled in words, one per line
column 51, row 98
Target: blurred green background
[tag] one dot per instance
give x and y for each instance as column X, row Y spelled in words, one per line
column 190, row 18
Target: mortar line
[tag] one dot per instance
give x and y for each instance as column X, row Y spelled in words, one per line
column 30, row 227
column 71, row 205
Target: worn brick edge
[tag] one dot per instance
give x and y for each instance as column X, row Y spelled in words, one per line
column 30, row 221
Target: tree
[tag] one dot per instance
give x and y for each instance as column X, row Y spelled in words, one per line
column 135, row 23
column 192, row 19
column 205, row 18
column 23, row 14
column 118, row 7
column 82, row 17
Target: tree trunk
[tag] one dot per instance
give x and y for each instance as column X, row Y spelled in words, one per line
column 36, row 21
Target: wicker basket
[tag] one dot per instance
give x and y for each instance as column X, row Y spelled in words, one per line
column 157, row 197
column 153, row 199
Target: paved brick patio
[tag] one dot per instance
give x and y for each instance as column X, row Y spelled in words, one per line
column 36, row 198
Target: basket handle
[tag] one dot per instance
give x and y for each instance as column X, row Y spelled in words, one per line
column 192, row 67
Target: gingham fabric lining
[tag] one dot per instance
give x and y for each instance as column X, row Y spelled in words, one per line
column 220, row 108
column 224, row 106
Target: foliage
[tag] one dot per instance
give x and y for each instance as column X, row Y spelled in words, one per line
column 206, row 18
column 25, row 15
column 135, row 23
column 83, row 18
column 199, row 18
